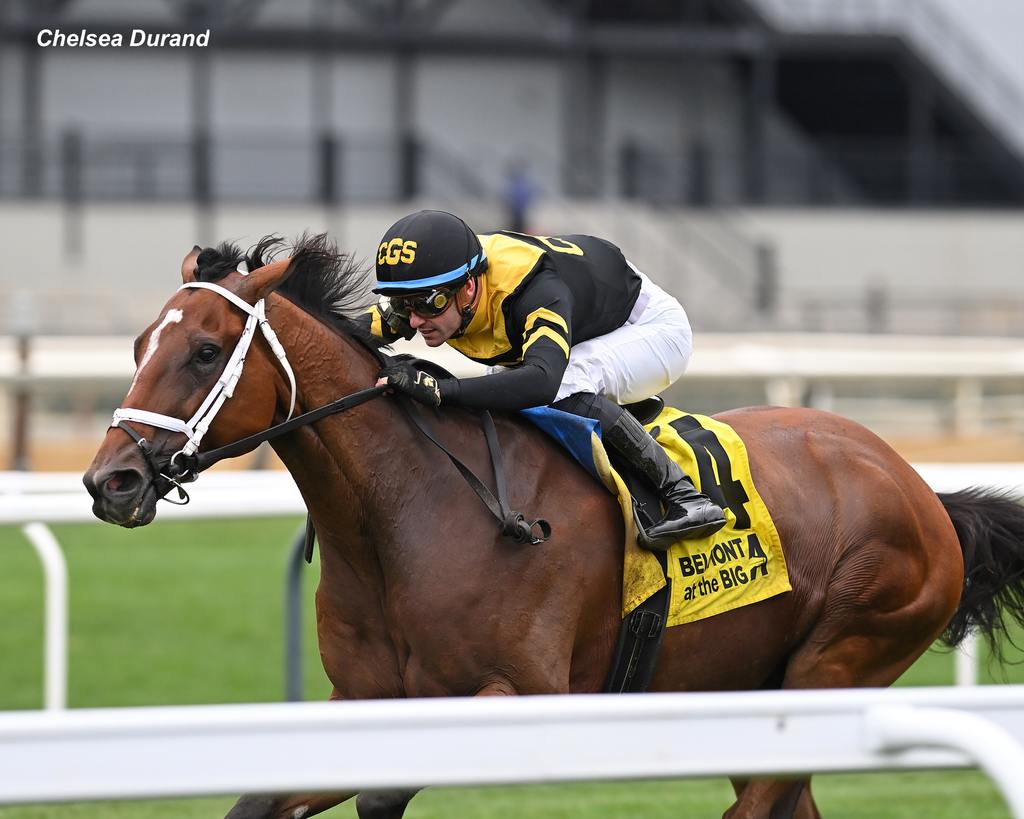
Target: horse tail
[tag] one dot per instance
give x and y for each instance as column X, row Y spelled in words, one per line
column 990, row 526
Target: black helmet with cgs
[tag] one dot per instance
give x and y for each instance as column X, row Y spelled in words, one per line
column 426, row 250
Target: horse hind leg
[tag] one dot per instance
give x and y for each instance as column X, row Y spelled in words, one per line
column 875, row 623
column 841, row 662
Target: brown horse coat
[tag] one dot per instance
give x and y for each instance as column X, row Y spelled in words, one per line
column 420, row 596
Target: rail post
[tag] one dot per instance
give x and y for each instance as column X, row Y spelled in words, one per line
column 293, row 619
column 55, row 575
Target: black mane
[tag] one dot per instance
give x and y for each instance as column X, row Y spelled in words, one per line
column 325, row 283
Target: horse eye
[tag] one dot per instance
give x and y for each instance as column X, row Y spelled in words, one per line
column 207, row 354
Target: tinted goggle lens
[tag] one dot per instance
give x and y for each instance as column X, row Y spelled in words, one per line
column 432, row 304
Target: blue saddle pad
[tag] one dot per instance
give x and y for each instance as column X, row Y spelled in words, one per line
column 574, row 432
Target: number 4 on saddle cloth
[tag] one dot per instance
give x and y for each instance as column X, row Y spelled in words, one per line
column 740, row 564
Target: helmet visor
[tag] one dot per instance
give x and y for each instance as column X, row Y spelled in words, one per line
column 427, row 305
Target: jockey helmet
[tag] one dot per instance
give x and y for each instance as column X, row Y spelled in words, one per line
column 427, row 250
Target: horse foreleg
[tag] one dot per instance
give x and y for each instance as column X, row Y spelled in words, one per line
column 285, row 806
column 392, row 804
column 772, row 799
column 383, row 804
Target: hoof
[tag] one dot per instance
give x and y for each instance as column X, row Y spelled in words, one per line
column 256, row 806
column 383, row 804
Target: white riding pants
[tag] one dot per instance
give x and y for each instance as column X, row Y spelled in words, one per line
column 639, row 359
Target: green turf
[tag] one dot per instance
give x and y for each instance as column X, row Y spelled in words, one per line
column 953, row 794
column 177, row 613
column 182, row 613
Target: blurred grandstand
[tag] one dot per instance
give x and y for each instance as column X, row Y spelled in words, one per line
column 839, row 166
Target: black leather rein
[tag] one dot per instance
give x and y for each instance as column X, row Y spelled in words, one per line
column 512, row 524
column 192, row 465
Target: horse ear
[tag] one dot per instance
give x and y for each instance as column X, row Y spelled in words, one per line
column 258, row 283
column 188, row 265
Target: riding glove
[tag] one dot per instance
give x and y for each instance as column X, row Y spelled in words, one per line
column 414, row 383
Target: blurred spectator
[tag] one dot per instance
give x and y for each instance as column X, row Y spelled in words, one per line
column 518, row 195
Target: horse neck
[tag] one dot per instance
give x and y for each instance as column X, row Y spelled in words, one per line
column 341, row 464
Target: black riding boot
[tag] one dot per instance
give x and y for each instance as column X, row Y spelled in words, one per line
column 688, row 513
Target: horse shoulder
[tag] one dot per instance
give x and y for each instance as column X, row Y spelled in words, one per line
column 576, row 576
column 539, row 618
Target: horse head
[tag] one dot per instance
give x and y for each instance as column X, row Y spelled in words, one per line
column 189, row 361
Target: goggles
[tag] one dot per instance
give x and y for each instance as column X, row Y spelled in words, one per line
column 426, row 305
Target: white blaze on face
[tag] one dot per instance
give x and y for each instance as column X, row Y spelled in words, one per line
column 172, row 317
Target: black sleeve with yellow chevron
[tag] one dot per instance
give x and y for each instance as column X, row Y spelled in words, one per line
column 533, row 383
column 545, row 323
column 539, row 331
column 540, row 316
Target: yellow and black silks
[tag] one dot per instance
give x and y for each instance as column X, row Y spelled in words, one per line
column 738, row 565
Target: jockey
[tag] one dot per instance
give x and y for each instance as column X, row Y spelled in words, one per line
column 565, row 321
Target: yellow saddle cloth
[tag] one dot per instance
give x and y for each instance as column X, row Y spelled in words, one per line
column 738, row 565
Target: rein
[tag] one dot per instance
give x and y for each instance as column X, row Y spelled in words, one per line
column 513, row 524
column 193, row 464
column 185, row 465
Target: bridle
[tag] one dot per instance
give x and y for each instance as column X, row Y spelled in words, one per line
column 186, row 464
column 178, row 469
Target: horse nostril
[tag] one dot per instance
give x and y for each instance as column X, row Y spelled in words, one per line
column 122, row 482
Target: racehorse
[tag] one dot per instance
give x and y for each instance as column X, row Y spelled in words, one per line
column 419, row 595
